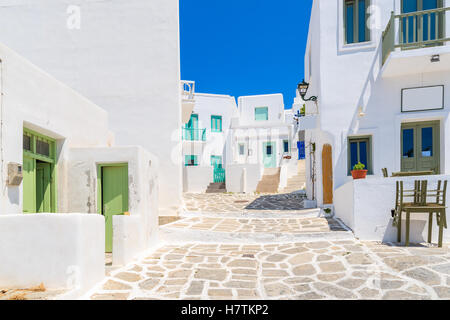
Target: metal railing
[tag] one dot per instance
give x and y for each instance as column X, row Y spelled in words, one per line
column 419, row 29
column 188, row 89
column 194, row 134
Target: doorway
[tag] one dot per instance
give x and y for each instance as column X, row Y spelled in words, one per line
column 327, row 174
column 39, row 173
column 269, row 155
column 113, row 196
column 420, row 146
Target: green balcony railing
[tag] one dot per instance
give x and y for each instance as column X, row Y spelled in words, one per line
column 418, row 29
column 194, row 134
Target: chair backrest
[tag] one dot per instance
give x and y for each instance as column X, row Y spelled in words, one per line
column 440, row 194
column 385, row 172
column 418, row 193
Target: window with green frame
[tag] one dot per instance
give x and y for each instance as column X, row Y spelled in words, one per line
column 262, row 114
column 216, row 123
column 355, row 21
column 190, row 161
column 360, row 150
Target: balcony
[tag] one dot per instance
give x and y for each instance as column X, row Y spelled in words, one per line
column 194, row 134
column 188, row 101
column 412, row 39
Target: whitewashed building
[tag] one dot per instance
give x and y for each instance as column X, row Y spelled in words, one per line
column 263, row 144
column 59, row 159
column 380, row 70
column 205, row 151
column 122, row 55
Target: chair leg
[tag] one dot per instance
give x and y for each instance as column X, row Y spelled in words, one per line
column 441, row 228
column 407, row 228
column 430, row 226
column 399, row 227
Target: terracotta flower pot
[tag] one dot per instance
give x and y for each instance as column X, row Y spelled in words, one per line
column 359, row 174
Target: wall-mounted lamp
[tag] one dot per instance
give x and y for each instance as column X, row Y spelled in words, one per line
column 435, row 58
column 303, row 89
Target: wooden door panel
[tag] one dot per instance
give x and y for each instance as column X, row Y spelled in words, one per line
column 327, row 174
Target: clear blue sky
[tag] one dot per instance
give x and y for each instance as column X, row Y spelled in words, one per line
column 244, row 47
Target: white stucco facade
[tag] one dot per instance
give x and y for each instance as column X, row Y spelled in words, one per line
column 123, row 56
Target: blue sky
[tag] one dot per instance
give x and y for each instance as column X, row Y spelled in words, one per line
column 244, row 47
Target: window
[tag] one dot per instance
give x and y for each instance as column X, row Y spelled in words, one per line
column 262, row 114
column 216, row 123
column 241, row 149
column 355, row 21
column 360, row 150
column 269, row 150
column 190, row 161
column 286, row 146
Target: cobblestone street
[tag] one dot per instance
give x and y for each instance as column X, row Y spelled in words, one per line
column 314, row 270
column 328, row 263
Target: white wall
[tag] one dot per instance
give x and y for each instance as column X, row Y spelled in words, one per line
column 62, row 251
column 196, row 179
column 243, row 178
column 247, row 105
column 125, row 58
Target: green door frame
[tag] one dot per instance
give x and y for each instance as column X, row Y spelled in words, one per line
column 32, row 155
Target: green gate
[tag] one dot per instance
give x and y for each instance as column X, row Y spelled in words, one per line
column 219, row 175
column 219, row 171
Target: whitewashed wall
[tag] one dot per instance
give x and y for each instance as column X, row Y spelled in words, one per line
column 243, row 178
column 64, row 251
column 124, row 57
column 196, row 179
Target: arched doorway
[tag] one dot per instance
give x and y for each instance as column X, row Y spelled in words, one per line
column 327, row 174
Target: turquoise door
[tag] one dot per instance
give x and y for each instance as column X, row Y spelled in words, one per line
column 219, row 171
column 269, row 154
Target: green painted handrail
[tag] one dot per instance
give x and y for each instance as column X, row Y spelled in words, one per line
column 415, row 30
column 194, row 134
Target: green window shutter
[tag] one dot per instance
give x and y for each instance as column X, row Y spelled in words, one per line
column 216, row 123
column 262, row 114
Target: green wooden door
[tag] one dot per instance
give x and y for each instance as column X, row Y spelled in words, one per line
column 43, row 193
column 420, row 146
column 114, row 187
column 269, row 155
column 29, row 185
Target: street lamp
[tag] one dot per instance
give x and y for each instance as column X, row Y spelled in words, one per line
column 303, row 89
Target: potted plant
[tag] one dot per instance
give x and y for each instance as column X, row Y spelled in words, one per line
column 327, row 212
column 358, row 171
